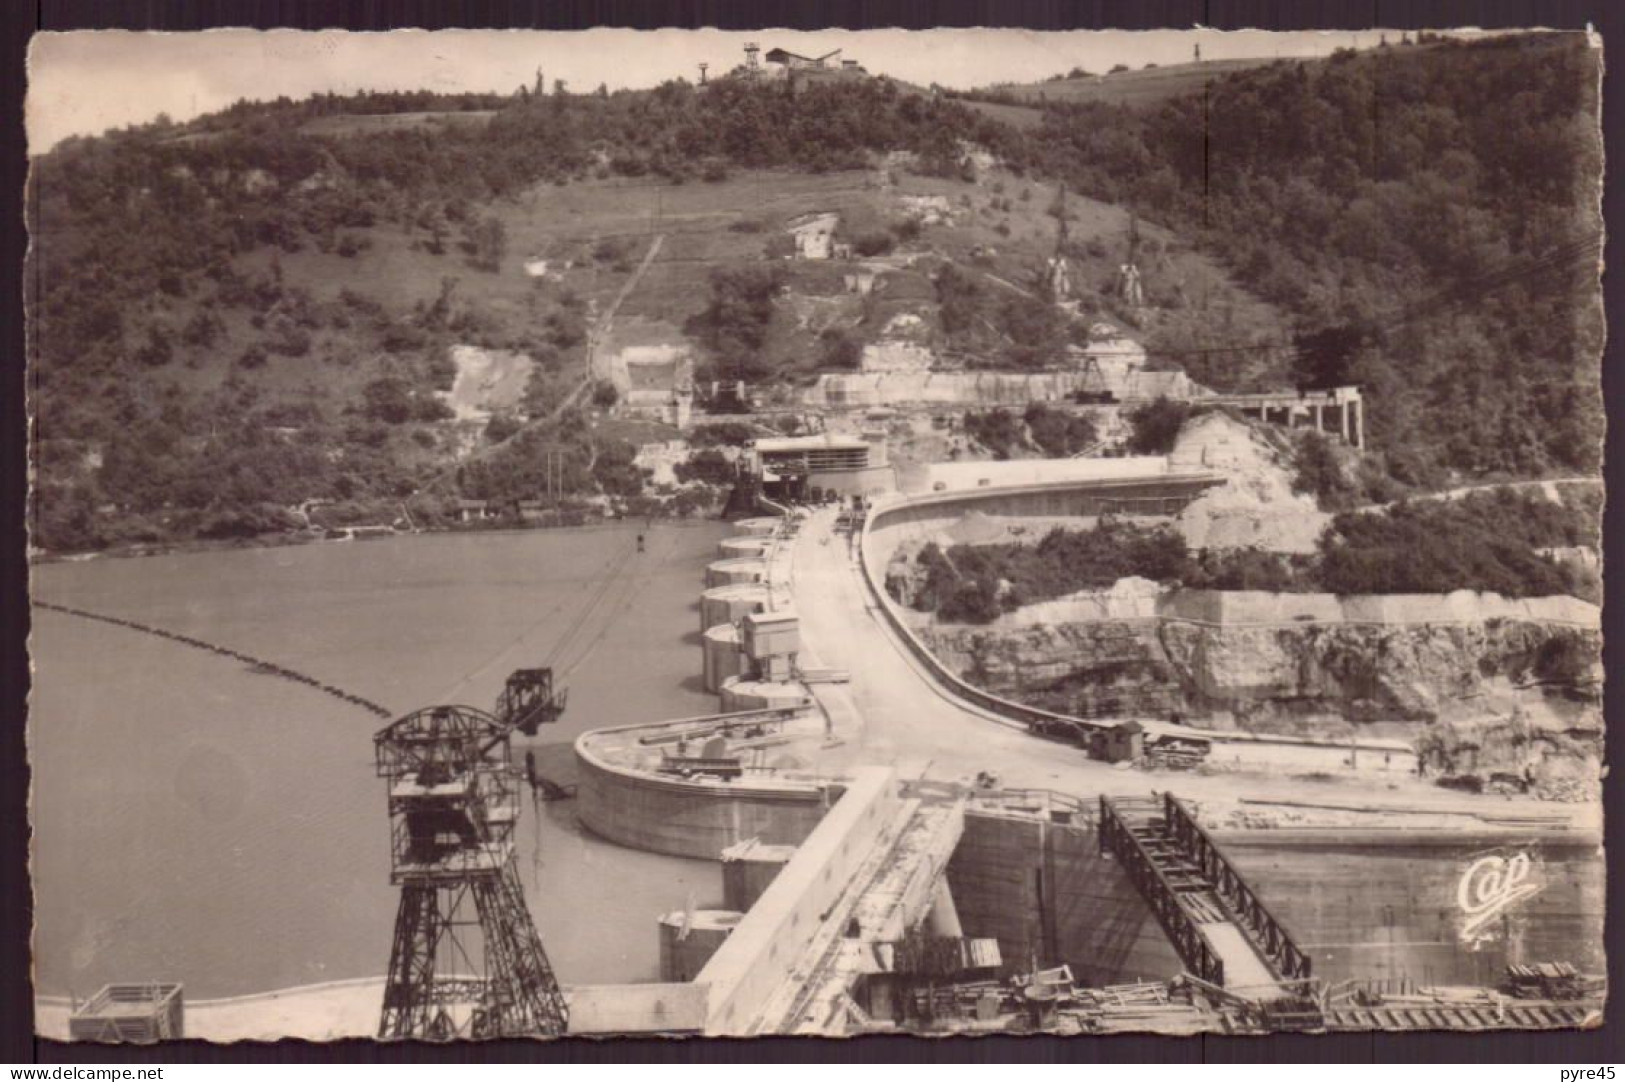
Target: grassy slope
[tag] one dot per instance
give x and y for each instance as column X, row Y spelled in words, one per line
column 564, row 224
column 1144, row 87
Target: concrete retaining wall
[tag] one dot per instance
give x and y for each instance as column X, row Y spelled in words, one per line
column 636, row 1008
column 891, row 524
column 962, row 476
column 1242, row 607
column 1255, row 608
column 1131, row 599
column 924, row 515
column 757, row 958
column 1046, row 893
column 1380, row 907
column 863, row 389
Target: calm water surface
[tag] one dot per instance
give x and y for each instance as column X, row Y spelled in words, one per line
column 197, row 821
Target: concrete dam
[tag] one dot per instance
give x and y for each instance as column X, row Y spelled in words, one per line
column 785, row 785
column 898, row 850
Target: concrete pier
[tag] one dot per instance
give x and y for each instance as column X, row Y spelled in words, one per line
column 731, row 572
column 688, row 939
column 757, row 527
column 730, row 604
column 737, row 548
column 748, row 869
column 724, row 660
column 739, row 693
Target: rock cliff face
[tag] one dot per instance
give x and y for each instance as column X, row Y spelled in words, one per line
column 1309, row 679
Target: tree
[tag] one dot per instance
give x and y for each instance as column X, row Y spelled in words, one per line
column 156, row 351
column 735, row 323
column 1057, row 433
column 839, row 348
column 388, row 399
column 488, row 239
column 995, row 429
column 500, row 427
column 1321, row 475
column 1326, row 357
column 1155, row 426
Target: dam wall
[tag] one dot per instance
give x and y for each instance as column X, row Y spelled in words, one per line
column 1047, row 894
column 1390, row 904
column 608, row 1009
column 757, row 959
column 688, row 818
column 1379, row 904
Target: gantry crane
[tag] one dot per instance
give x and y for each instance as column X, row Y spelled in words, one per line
column 466, row 959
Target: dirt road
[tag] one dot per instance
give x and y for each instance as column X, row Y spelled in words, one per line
column 893, row 713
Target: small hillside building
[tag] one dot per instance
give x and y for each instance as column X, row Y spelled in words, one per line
column 814, row 235
column 1125, row 742
column 796, row 62
column 472, row 510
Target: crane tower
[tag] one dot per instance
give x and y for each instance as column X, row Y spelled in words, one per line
column 466, row 959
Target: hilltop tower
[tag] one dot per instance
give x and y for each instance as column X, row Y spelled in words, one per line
column 752, row 64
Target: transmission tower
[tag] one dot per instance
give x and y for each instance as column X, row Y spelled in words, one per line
column 466, row 959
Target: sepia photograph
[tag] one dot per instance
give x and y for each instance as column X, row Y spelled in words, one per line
column 701, row 533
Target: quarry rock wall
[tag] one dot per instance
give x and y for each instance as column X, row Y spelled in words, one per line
column 1261, row 675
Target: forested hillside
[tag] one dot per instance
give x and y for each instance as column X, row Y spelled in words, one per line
column 1428, row 213
column 255, row 309
column 183, row 383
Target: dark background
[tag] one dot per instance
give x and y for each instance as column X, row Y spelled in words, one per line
column 17, row 1043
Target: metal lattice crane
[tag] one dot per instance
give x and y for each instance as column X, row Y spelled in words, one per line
column 529, row 699
column 466, row 959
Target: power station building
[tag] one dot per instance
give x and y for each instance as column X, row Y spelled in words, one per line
column 801, row 467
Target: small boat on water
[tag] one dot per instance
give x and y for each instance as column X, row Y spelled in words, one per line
column 359, row 533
